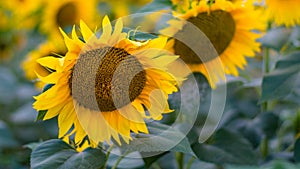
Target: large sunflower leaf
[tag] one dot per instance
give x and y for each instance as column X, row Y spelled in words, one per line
column 297, row 151
column 227, row 148
column 276, row 38
column 283, row 80
column 57, row 154
column 161, row 138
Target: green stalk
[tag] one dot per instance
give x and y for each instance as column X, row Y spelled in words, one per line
column 179, row 159
column 190, row 162
column 119, row 160
column 107, row 155
column 266, row 70
column 265, row 106
column 264, row 148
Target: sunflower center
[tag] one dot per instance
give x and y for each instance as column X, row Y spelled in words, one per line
column 219, row 28
column 66, row 15
column 107, row 79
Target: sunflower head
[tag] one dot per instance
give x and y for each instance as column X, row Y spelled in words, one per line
column 283, row 12
column 104, row 85
column 66, row 13
column 23, row 12
column 227, row 28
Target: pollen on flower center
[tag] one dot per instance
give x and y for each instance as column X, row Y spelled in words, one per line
column 66, row 15
column 107, row 79
column 218, row 26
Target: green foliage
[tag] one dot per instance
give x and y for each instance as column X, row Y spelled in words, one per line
column 297, row 151
column 161, row 138
column 275, row 165
column 276, row 38
column 226, row 148
column 284, row 80
column 57, row 154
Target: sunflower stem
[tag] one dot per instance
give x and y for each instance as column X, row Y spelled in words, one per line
column 107, row 155
column 179, row 159
column 119, row 160
column 190, row 162
column 265, row 71
column 264, row 147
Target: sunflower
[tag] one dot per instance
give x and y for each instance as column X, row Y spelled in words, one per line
column 66, row 13
column 89, row 85
column 23, row 12
column 122, row 8
column 228, row 26
column 285, row 12
column 30, row 65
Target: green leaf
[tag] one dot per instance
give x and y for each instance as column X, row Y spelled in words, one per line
column 161, row 138
column 58, row 154
column 150, row 160
column 297, row 151
column 156, row 5
column 41, row 115
column 283, row 80
column 292, row 59
column 269, row 123
column 32, row 145
column 132, row 161
column 276, row 38
column 228, row 148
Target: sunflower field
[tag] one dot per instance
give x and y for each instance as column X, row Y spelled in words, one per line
column 158, row 84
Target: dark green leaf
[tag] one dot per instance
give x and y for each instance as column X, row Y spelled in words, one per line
column 139, row 35
column 228, row 148
column 149, row 160
column 41, row 115
column 57, row 154
column 297, row 151
column 161, row 138
column 276, row 38
column 269, row 123
column 47, row 87
column 292, row 59
column 32, row 145
column 282, row 81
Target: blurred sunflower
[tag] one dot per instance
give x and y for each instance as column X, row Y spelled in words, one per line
column 124, row 7
column 181, row 5
column 228, row 26
column 88, row 85
column 31, row 67
column 285, row 12
column 23, row 12
column 66, row 13
column 11, row 38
